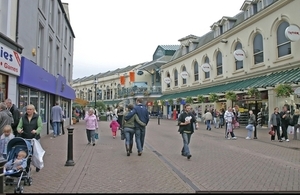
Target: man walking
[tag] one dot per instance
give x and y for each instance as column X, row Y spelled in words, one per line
column 56, row 118
column 140, row 131
column 15, row 113
column 186, row 125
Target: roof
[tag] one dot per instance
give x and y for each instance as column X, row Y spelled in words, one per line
column 170, row 47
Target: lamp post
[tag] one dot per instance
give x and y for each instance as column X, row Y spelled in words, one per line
column 95, row 83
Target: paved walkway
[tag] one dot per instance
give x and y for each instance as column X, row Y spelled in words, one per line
column 217, row 164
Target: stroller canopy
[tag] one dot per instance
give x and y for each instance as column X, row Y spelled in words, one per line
column 18, row 141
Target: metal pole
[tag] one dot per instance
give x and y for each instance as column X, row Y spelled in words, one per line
column 2, row 163
column 70, row 161
column 158, row 119
column 95, row 92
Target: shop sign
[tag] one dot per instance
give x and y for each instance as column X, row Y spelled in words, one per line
column 292, row 33
column 184, row 74
column 167, row 80
column 206, row 67
column 10, row 60
column 239, row 55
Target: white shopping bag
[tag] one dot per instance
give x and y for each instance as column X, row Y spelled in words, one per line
column 37, row 154
column 290, row 129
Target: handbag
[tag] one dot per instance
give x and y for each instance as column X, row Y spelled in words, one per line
column 122, row 134
column 272, row 132
column 96, row 134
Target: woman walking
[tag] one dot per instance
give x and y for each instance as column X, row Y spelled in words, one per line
column 91, row 126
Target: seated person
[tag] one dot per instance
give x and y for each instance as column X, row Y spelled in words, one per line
column 17, row 164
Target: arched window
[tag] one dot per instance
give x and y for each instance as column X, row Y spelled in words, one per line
column 206, row 74
column 196, row 71
column 258, row 49
column 238, row 64
column 219, row 63
column 183, row 80
column 283, row 44
column 175, row 77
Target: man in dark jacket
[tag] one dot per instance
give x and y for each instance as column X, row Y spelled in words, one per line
column 284, row 115
column 140, row 131
column 15, row 113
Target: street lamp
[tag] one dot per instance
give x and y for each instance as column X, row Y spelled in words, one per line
column 95, row 83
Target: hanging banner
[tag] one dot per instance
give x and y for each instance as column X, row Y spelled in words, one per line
column 122, row 80
column 131, row 76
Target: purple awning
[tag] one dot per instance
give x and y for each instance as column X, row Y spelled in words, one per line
column 36, row 77
column 63, row 89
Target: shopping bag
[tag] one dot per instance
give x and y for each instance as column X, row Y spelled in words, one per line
column 96, row 135
column 37, row 154
column 290, row 129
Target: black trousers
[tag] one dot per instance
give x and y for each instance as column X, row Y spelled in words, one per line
column 62, row 127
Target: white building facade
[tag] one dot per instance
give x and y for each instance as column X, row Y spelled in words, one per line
column 256, row 49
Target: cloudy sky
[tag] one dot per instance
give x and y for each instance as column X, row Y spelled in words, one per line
column 111, row 34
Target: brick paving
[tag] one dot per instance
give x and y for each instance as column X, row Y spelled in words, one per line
column 217, row 164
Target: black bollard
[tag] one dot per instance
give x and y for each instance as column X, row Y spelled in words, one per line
column 2, row 163
column 158, row 120
column 255, row 131
column 70, row 161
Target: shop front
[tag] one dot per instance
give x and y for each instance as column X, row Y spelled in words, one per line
column 10, row 61
column 42, row 89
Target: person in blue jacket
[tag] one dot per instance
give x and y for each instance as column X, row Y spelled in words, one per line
column 140, row 131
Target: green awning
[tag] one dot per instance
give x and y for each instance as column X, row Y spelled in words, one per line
column 287, row 76
column 112, row 102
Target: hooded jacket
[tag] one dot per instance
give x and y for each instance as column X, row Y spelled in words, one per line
column 6, row 118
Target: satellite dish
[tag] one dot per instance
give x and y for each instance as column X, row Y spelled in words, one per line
column 140, row 72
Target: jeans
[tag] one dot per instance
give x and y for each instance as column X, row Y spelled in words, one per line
column 249, row 127
column 208, row 124
column 186, row 138
column 284, row 131
column 140, row 133
column 277, row 131
column 56, row 128
column 129, row 132
column 90, row 134
column 295, row 130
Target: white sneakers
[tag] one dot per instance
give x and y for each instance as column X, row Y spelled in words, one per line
column 248, row 138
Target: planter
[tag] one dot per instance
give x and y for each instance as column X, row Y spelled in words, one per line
column 213, row 97
column 230, row 95
column 200, row 98
column 284, row 90
column 74, row 120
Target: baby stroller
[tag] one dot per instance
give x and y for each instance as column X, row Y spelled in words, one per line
column 14, row 146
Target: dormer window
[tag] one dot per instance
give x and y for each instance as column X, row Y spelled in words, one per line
column 249, row 8
column 216, row 28
column 226, row 23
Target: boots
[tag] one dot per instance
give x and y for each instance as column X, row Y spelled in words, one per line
column 130, row 148
column 127, row 150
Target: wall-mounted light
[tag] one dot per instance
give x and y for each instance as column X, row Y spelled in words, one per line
column 224, row 41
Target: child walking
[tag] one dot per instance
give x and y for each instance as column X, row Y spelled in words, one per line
column 7, row 134
column 114, row 125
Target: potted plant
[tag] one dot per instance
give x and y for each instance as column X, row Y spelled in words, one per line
column 189, row 100
column 284, row 90
column 132, row 93
column 200, row 98
column 125, row 95
column 170, row 101
column 147, row 93
column 230, row 95
column 155, row 103
column 178, row 100
column 253, row 92
column 213, row 97
column 164, row 102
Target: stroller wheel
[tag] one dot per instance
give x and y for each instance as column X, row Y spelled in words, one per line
column 30, row 181
column 21, row 190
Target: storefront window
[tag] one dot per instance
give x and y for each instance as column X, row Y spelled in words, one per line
column 42, row 110
column 23, row 99
column 34, row 99
column 65, row 106
column 3, row 87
